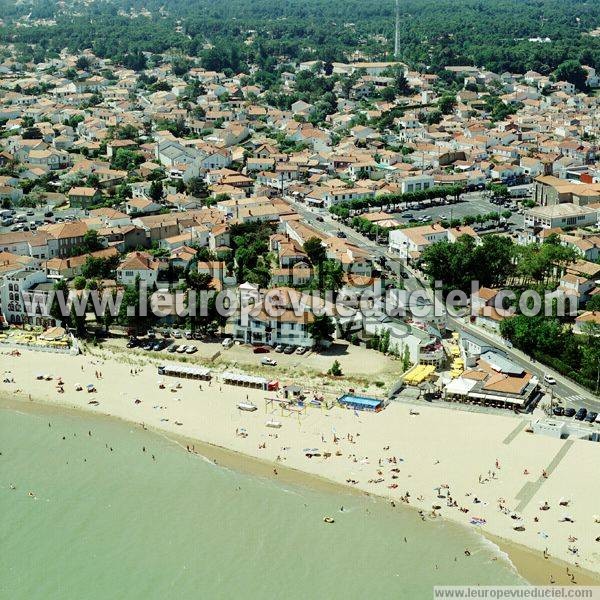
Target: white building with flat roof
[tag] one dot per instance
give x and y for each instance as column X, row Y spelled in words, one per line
column 561, row 215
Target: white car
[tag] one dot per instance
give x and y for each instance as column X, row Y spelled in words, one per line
column 227, row 343
column 191, row 350
column 268, row 361
column 279, row 348
column 176, row 334
column 182, row 349
column 549, row 380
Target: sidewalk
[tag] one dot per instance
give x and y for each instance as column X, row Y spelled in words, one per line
column 537, row 368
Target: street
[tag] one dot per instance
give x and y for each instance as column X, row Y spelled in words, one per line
column 571, row 394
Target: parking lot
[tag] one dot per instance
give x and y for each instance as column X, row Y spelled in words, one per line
column 472, row 204
column 354, row 360
column 28, row 219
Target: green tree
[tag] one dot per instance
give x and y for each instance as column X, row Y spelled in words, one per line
column 335, row 369
column 130, row 311
column 197, row 187
column 446, row 104
column 321, row 329
column 79, row 282
column 82, row 63
column 60, row 289
column 573, row 72
column 126, row 160
column 156, row 190
column 198, row 283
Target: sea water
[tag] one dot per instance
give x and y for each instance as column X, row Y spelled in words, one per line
column 109, row 520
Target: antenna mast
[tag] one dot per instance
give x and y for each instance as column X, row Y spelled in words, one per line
column 397, row 34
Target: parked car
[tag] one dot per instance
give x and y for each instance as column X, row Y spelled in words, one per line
column 591, row 417
column 227, row 343
column 157, row 347
column 182, row 349
column 341, row 234
column 558, row 411
column 268, row 361
column 261, row 350
column 279, row 348
column 133, row 342
column 569, row 412
column 176, row 334
column 173, row 348
column 581, row 414
column 289, row 350
column 300, row 350
column 191, row 350
column 188, row 335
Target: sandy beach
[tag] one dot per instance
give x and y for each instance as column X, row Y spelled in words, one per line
column 535, row 496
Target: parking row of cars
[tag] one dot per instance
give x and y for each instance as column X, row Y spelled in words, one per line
column 154, row 345
column 290, row 349
column 580, row 415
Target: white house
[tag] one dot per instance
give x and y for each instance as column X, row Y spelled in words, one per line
column 138, row 264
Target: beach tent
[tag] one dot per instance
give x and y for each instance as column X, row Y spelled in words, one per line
column 244, row 380
column 188, row 371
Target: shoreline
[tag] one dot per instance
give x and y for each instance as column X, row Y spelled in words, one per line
column 527, row 562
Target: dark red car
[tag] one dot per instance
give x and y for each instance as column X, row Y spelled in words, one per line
column 262, row 350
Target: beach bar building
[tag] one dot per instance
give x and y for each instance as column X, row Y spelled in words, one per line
column 185, row 371
column 361, row 402
column 251, row 381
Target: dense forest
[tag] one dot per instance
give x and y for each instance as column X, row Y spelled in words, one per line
column 235, row 33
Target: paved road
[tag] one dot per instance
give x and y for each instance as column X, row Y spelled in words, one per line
column 572, row 394
column 569, row 392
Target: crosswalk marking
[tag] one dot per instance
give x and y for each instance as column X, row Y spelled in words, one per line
column 574, row 398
